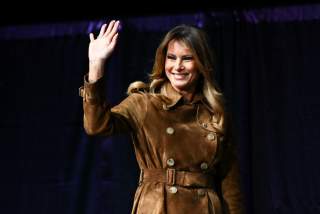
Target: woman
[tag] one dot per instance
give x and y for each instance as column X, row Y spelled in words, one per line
column 177, row 122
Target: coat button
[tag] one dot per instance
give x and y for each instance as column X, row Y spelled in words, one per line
column 170, row 130
column 211, row 136
column 170, row 162
column 204, row 166
column 201, row 192
column 173, row 190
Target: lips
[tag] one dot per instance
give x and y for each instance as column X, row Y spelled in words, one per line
column 180, row 73
column 180, row 76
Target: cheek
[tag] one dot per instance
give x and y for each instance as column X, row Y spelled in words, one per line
column 191, row 66
column 168, row 75
column 192, row 69
column 167, row 66
column 195, row 73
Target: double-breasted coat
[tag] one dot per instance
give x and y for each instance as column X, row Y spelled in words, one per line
column 186, row 167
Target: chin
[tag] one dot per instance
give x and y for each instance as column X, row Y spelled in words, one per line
column 180, row 87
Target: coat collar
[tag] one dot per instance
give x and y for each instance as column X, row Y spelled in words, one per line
column 172, row 97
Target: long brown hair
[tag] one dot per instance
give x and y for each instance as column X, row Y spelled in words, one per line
column 195, row 39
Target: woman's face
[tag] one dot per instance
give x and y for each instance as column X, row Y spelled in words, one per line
column 180, row 67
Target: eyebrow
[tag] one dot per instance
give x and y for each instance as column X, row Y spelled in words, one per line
column 187, row 55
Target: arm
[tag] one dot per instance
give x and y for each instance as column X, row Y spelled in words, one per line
column 101, row 48
column 230, row 184
column 99, row 117
column 229, row 171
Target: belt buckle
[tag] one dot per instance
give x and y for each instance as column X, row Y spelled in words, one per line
column 171, row 177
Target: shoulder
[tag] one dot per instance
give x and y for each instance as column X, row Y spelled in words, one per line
column 138, row 96
column 138, row 99
column 146, row 100
column 137, row 87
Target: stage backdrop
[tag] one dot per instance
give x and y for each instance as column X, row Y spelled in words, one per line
column 267, row 65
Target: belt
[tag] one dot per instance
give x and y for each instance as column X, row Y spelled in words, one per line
column 176, row 177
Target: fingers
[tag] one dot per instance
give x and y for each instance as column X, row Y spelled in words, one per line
column 102, row 30
column 107, row 30
column 114, row 40
column 91, row 37
column 110, row 26
column 115, row 28
column 112, row 29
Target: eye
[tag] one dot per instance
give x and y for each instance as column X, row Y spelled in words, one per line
column 187, row 58
column 171, row 57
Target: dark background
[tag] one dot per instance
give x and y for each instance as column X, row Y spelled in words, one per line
column 32, row 11
column 267, row 65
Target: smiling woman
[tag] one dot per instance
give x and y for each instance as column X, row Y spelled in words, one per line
column 181, row 69
column 178, row 124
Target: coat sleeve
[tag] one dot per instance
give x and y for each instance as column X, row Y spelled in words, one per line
column 230, row 183
column 100, row 119
column 229, row 173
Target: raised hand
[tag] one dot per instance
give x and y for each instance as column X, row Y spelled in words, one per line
column 101, row 48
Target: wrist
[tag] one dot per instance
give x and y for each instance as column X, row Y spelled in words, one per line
column 93, row 77
column 96, row 62
column 96, row 70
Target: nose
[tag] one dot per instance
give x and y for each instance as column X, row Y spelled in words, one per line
column 179, row 65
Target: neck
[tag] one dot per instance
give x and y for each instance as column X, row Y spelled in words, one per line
column 187, row 94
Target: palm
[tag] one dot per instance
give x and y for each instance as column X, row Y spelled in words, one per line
column 102, row 47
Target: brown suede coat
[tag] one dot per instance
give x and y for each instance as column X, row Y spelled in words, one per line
column 186, row 167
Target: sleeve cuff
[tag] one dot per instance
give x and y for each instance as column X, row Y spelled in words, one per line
column 92, row 92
